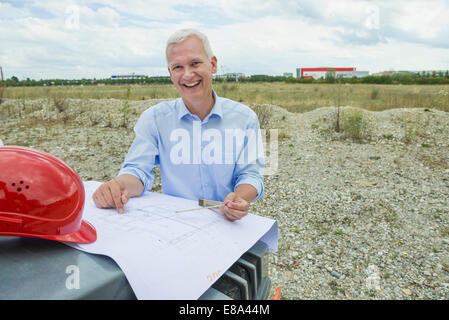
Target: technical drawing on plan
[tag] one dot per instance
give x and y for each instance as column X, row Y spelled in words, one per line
column 169, row 255
column 156, row 221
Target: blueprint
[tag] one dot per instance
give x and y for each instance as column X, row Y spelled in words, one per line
column 169, row 255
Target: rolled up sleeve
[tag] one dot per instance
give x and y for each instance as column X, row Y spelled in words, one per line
column 250, row 163
column 143, row 154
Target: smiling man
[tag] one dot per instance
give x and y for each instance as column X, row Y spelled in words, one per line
column 206, row 146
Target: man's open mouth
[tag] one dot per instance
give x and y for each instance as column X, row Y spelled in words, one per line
column 191, row 85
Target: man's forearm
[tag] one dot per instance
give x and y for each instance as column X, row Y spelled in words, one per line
column 246, row 191
column 131, row 183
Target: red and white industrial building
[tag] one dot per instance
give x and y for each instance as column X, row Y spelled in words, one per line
column 317, row 73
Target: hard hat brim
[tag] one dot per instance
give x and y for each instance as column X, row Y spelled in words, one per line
column 86, row 234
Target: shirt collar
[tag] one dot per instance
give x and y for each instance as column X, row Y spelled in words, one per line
column 216, row 109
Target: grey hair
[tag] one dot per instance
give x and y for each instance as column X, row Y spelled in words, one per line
column 182, row 35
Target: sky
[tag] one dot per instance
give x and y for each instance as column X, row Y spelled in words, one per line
column 46, row 39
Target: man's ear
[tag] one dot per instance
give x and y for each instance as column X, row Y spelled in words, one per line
column 169, row 71
column 214, row 64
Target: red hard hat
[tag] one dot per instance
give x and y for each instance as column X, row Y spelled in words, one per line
column 42, row 197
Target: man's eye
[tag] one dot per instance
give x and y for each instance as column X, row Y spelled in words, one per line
column 176, row 67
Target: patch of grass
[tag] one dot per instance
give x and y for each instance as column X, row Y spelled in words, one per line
column 335, row 287
column 282, row 135
column 293, row 97
column 355, row 126
column 2, row 91
column 263, row 113
column 339, row 232
column 324, row 230
column 60, row 103
column 444, row 231
column 125, row 110
column 434, row 161
column 374, row 93
column 410, row 134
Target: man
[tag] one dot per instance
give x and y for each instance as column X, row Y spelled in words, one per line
column 193, row 125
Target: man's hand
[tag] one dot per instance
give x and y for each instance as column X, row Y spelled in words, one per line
column 235, row 207
column 111, row 194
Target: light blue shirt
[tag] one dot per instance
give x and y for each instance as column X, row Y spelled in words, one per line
column 198, row 159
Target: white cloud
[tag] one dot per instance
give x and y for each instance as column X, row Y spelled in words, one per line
column 254, row 37
column 7, row 11
column 424, row 22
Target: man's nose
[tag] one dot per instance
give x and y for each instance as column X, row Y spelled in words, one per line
column 188, row 73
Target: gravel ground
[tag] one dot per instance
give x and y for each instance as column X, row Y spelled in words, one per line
column 360, row 217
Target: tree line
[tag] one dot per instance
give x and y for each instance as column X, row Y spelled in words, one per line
column 396, row 78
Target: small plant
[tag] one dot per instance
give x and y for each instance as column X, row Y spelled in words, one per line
column 411, row 132
column 338, row 98
column 355, row 125
column 2, row 90
column 126, row 109
column 282, row 135
column 339, row 232
column 153, row 93
column 21, row 104
column 263, row 112
column 374, row 93
column 60, row 103
column 2, row 85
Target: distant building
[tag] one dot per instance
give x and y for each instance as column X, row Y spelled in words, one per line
column 360, row 74
column 129, row 76
column 384, row 73
column 425, row 73
column 234, row 76
column 288, row 74
column 318, row 73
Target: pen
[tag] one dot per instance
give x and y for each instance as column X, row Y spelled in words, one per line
column 186, row 210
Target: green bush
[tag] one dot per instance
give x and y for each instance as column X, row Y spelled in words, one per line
column 355, row 126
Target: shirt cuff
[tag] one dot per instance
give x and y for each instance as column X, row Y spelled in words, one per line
column 139, row 174
column 255, row 182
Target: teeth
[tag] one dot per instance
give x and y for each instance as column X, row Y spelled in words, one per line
column 191, row 84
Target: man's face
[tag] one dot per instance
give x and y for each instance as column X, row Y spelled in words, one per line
column 191, row 70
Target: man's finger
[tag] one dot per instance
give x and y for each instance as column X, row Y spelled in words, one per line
column 239, row 205
column 223, row 210
column 97, row 200
column 100, row 199
column 125, row 196
column 230, row 215
column 116, row 194
column 107, row 197
column 237, row 213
